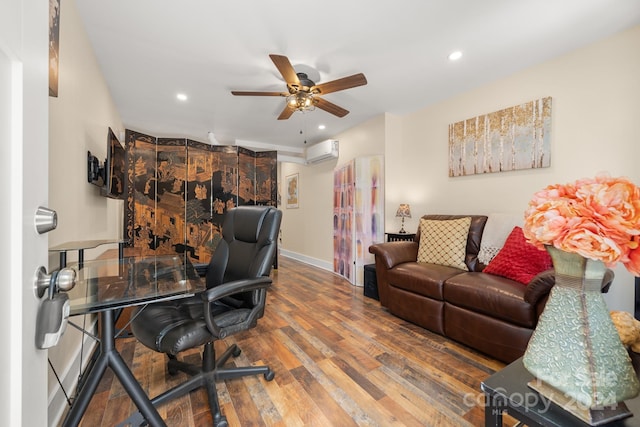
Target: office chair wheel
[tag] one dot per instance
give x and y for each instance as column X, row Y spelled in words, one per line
column 220, row 421
column 269, row 375
column 236, row 352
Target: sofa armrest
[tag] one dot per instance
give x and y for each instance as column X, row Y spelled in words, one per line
column 541, row 285
column 607, row 280
column 394, row 253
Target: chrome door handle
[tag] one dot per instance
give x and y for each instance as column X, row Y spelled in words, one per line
column 46, row 220
column 63, row 280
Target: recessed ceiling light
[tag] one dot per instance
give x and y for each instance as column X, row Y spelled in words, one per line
column 321, row 127
column 454, row 56
column 181, row 97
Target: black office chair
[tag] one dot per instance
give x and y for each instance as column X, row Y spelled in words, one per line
column 237, row 278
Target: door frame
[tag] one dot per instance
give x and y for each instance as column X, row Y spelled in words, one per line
column 24, row 166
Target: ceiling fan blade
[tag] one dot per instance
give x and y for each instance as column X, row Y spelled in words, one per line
column 286, row 113
column 341, row 84
column 330, row 107
column 286, row 69
column 246, row 93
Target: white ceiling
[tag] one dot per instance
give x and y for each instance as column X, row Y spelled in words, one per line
column 149, row 50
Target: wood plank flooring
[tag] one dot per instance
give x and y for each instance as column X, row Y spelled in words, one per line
column 340, row 360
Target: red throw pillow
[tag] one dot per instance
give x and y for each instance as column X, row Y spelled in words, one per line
column 518, row 259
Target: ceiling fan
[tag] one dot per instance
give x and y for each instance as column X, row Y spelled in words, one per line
column 303, row 94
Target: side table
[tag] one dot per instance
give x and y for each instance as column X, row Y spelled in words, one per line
column 507, row 391
column 398, row 237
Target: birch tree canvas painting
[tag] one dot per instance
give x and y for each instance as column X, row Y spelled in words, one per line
column 514, row 138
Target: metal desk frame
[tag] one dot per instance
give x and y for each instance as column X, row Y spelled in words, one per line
column 109, row 357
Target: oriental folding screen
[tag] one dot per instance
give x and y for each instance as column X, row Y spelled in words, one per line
column 178, row 191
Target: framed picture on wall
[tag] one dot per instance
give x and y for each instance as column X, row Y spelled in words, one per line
column 292, row 191
column 54, row 39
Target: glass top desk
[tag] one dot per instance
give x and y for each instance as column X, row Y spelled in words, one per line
column 105, row 286
column 81, row 245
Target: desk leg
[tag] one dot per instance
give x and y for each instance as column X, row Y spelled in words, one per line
column 109, row 357
column 86, row 392
column 493, row 411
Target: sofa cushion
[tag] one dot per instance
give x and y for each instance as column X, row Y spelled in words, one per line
column 518, row 259
column 494, row 296
column 420, row 278
column 444, row 242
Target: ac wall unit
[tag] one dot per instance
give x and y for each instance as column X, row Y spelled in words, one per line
column 325, row 150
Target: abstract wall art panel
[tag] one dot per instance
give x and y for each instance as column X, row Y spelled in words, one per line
column 514, row 138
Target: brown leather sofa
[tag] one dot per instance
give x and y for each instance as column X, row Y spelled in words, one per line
column 492, row 314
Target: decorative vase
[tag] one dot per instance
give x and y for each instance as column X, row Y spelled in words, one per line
column 575, row 352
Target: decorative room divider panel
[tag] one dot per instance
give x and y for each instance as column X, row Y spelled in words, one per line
column 358, row 215
column 179, row 189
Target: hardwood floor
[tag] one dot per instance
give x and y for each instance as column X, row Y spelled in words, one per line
column 339, row 358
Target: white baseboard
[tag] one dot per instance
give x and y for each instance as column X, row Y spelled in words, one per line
column 58, row 405
column 307, row 260
column 328, row 266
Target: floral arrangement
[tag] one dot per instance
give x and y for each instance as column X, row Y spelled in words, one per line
column 598, row 218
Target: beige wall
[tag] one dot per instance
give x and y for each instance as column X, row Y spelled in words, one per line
column 78, row 122
column 307, row 232
column 596, row 102
column 596, row 105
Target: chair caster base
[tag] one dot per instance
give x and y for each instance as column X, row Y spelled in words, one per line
column 220, row 421
column 171, row 368
column 269, row 375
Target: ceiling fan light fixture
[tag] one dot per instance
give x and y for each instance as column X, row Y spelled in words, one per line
column 301, row 101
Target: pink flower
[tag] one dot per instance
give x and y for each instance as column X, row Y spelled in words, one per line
column 597, row 218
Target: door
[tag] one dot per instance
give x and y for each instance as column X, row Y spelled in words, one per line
column 23, row 187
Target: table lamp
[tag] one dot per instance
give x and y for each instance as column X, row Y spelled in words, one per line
column 404, row 211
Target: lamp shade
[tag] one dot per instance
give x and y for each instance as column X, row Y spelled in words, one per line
column 404, row 211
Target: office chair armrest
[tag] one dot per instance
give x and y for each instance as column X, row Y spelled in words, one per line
column 235, row 287
column 228, row 289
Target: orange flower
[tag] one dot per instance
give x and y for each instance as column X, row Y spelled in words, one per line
column 597, row 218
column 633, row 264
column 584, row 237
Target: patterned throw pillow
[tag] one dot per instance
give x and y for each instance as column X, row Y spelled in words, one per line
column 444, row 242
column 518, row 259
